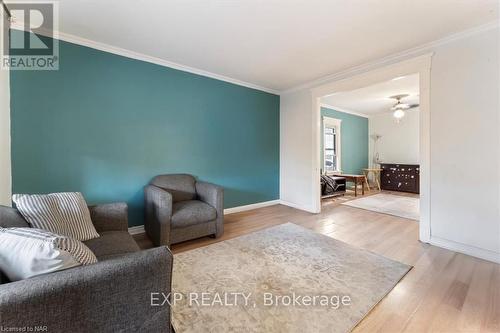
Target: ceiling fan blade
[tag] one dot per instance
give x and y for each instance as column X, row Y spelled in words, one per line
column 411, row 106
column 401, row 106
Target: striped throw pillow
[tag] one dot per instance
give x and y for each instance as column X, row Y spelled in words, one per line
column 28, row 252
column 65, row 213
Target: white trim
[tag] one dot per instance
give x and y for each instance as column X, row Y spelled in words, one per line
column 300, row 207
column 466, row 249
column 143, row 57
column 136, row 230
column 336, row 108
column 394, row 58
column 238, row 209
column 436, row 241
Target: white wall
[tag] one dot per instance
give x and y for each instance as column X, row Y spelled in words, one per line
column 464, row 198
column 5, row 177
column 400, row 141
column 465, row 143
column 296, row 155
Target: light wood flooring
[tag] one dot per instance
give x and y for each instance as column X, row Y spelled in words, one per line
column 444, row 292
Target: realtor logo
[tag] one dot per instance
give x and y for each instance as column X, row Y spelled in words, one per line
column 31, row 42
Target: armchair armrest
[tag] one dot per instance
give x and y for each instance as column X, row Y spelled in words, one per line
column 158, row 211
column 109, row 296
column 110, row 217
column 214, row 196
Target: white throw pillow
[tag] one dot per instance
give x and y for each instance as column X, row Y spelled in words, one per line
column 65, row 213
column 28, row 252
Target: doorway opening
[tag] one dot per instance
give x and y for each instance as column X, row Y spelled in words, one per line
column 377, row 128
column 375, row 152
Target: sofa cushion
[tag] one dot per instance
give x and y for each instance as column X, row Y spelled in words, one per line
column 112, row 244
column 10, row 217
column 190, row 212
column 28, row 252
column 64, row 213
column 181, row 186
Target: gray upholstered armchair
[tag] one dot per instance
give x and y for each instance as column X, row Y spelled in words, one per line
column 179, row 208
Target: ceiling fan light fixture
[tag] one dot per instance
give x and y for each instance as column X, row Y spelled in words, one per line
column 398, row 113
column 398, row 109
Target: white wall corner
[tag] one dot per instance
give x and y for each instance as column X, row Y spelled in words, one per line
column 5, row 140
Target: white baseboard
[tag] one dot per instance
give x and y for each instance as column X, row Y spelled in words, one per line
column 238, row 209
column 139, row 229
column 291, row 204
column 136, row 230
column 436, row 241
column 466, row 249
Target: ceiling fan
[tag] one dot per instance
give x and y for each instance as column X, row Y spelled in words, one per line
column 399, row 108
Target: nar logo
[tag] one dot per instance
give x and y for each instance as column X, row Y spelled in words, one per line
column 29, row 40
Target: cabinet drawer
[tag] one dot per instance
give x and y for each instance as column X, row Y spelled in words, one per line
column 400, row 177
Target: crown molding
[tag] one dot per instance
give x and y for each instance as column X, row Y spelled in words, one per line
column 396, row 57
column 335, row 108
column 18, row 25
column 393, row 58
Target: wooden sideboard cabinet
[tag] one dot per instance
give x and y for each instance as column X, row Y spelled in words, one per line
column 400, row 177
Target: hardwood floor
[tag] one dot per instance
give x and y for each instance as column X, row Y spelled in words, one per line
column 444, row 292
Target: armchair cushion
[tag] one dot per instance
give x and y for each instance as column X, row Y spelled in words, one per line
column 112, row 244
column 181, row 186
column 190, row 212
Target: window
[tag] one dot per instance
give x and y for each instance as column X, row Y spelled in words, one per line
column 331, row 144
column 330, row 151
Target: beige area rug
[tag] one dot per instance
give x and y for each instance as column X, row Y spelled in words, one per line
column 337, row 284
column 397, row 205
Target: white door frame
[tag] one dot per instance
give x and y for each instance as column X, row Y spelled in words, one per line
column 420, row 65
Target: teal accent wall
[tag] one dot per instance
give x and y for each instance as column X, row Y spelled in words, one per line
column 353, row 141
column 104, row 125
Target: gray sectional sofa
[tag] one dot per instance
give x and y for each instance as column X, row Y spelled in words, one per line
column 113, row 295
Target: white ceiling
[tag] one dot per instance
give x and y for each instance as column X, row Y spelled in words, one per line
column 276, row 44
column 375, row 99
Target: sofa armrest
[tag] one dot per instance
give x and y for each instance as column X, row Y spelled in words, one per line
column 158, row 213
column 214, row 196
column 110, row 217
column 109, row 296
